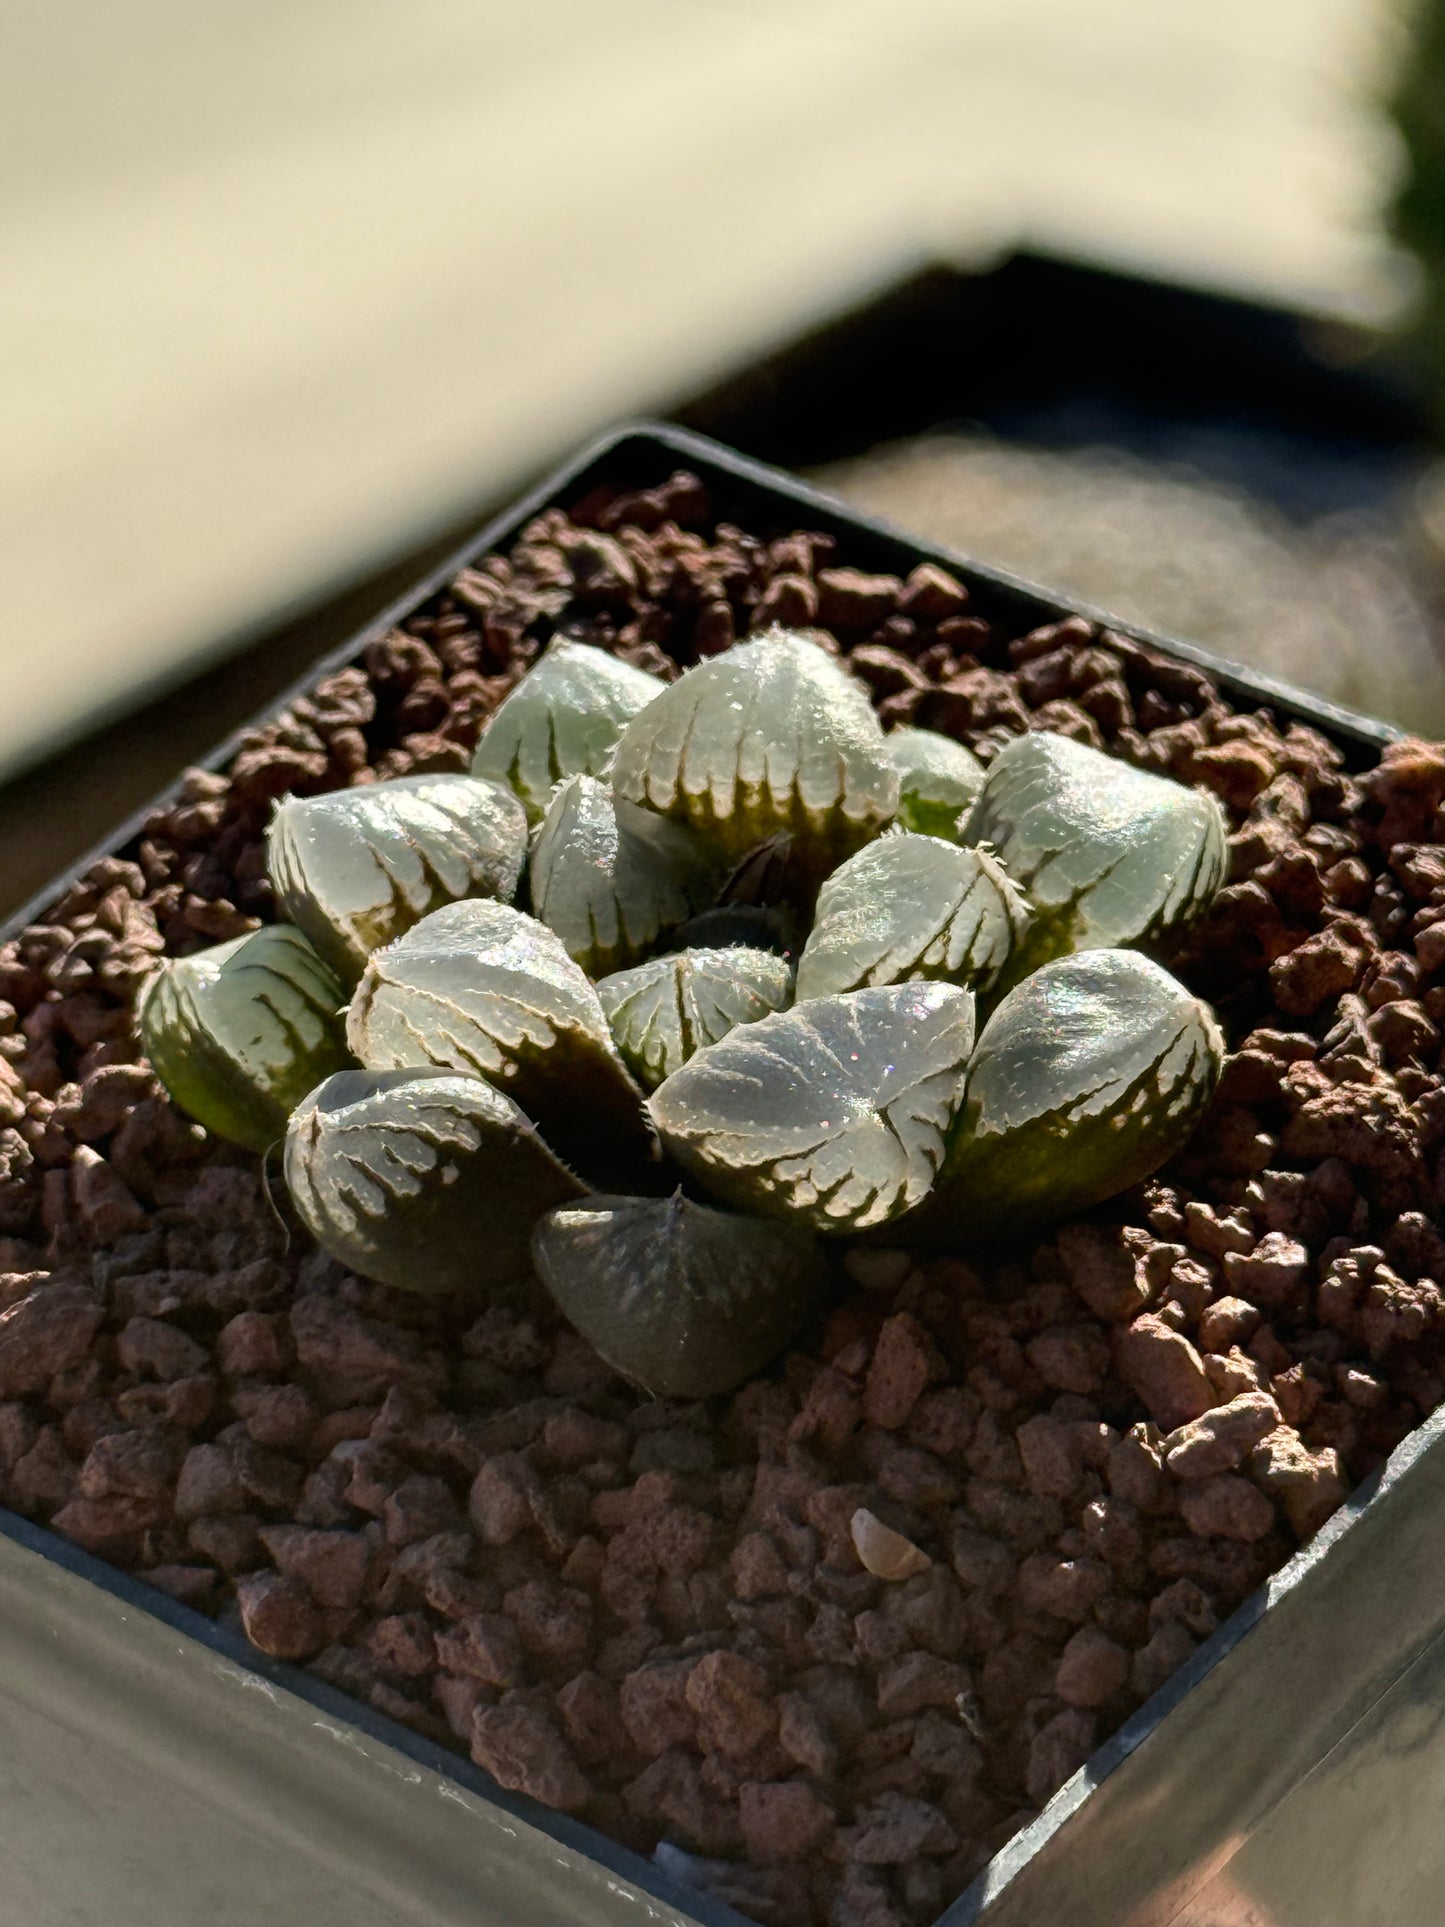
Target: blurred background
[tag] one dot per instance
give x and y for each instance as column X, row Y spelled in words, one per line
column 1136, row 299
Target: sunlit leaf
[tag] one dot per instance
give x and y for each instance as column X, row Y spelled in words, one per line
column 1085, row 1079
column 939, row 780
column 611, row 879
column 1107, row 854
column 771, row 736
column 428, row 1180
column 562, row 719
column 239, row 1033
column 663, row 1011
column 912, row 906
column 481, row 987
column 355, row 868
column 834, row 1112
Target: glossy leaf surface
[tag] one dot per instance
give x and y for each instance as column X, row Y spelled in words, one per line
column 482, row 987
column 562, row 719
column 355, row 868
column 912, row 906
column 1085, row 1079
column 426, row 1180
column 684, row 1300
column 1107, row 854
column 238, row 1034
column 834, row 1112
column 939, row 780
column 663, row 1011
column 612, row 879
column 770, row 737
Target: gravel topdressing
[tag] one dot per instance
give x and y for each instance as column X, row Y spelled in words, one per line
column 654, row 1614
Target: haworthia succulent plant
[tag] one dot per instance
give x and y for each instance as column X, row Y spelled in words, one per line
column 481, row 987
column 1086, row 1078
column 612, row 879
column 833, row 1113
column 850, row 1101
column 1107, row 854
column 939, row 780
column 684, row 1300
column 355, row 868
column 239, row 1033
column 427, row 1180
column 663, row 1011
column 912, row 906
column 771, row 736
column 562, row 719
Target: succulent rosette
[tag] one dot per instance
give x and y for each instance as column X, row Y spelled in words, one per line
column 689, row 841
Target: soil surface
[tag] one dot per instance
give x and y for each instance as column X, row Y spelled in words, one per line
column 1072, row 1461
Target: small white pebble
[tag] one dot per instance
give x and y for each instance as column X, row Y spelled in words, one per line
column 885, row 1553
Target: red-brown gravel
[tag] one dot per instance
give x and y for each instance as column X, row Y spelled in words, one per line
column 652, row 1613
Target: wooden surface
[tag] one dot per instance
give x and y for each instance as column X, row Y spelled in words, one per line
column 282, row 288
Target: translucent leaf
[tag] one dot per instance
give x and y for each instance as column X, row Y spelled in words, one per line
column 427, row 1180
column 1086, row 1078
column 684, row 1300
column 478, row 986
column 562, row 719
column 769, row 737
column 834, row 1112
column 939, row 780
column 238, row 1034
column 912, row 906
column 612, row 879
column 1106, row 853
column 665, row 1010
column 355, row 868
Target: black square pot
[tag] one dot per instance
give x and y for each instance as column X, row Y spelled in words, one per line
column 158, row 1769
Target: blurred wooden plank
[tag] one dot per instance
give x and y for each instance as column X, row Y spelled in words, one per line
column 285, row 287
